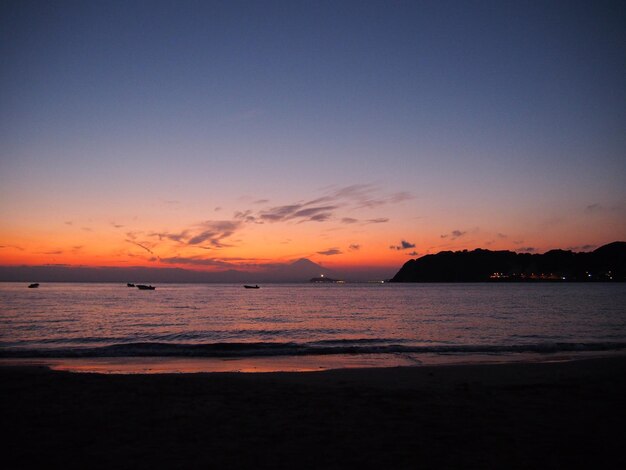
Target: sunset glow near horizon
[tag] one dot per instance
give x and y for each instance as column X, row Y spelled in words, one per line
column 243, row 135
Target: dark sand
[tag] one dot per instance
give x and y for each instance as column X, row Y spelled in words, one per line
column 546, row 415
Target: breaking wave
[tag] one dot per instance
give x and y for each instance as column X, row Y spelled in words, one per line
column 243, row 349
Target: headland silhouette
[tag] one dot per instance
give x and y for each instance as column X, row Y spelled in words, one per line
column 607, row 263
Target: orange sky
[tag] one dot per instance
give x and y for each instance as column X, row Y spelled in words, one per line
column 342, row 228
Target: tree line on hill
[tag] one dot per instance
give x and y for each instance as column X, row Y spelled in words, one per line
column 607, row 263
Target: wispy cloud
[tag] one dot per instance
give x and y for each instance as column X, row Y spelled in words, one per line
column 246, row 216
column 367, row 195
column 279, row 213
column 132, row 235
column 176, row 237
column 211, row 231
column 214, row 231
column 330, row 252
column 404, row 245
column 15, row 247
column 351, row 220
column 526, row 249
column 354, row 247
column 196, row 261
column 140, row 246
column 453, row 235
column 598, row 208
column 217, row 234
column 298, row 212
column 316, row 214
column 223, row 262
column 323, row 208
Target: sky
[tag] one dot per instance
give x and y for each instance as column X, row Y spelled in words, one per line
column 248, row 134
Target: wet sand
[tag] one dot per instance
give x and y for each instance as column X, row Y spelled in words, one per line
column 540, row 415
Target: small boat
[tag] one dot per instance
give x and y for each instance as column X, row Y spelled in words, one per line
column 252, row 287
column 130, row 284
column 33, row 285
column 144, row 287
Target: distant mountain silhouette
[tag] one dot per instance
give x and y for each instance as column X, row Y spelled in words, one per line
column 607, row 263
column 301, row 270
column 298, row 271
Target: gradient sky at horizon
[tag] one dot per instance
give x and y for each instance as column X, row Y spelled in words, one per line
column 215, row 135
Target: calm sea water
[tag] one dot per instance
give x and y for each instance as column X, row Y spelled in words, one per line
column 110, row 320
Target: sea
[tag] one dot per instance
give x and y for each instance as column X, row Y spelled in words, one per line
column 112, row 328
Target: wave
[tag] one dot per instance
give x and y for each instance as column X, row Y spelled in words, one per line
column 239, row 349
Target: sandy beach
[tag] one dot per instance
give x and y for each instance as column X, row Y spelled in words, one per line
column 540, row 415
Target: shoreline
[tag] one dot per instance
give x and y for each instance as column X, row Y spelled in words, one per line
column 286, row 363
column 513, row 415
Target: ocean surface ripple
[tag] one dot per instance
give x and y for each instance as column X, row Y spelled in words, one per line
column 109, row 320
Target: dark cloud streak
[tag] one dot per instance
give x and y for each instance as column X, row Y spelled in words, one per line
column 141, row 246
column 404, row 245
column 453, row 235
column 196, row 261
column 330, row 252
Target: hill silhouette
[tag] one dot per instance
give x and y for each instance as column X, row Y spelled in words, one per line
column 607, row 263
